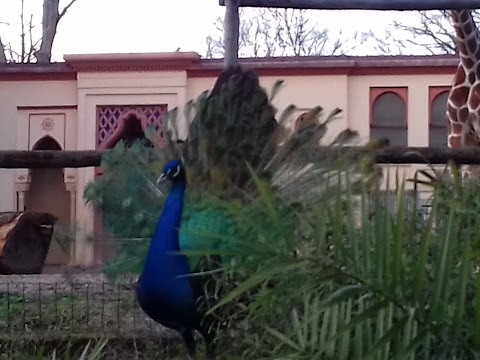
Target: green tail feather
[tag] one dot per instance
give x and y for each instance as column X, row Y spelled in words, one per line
column 231, row 130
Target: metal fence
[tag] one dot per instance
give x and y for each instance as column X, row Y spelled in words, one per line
column 52, row 309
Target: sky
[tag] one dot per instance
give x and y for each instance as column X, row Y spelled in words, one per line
column 123, row 26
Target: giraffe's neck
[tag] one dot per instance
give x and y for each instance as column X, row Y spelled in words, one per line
column 466, row 37
column 463, row 108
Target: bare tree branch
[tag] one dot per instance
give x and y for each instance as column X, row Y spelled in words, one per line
column 33, row 45
column 275, row 32
column 30, row 48
column 65, row 9
column 433, row 34
column 387, row 44
column 51, row 18
column 22, row 33
column 215, row 43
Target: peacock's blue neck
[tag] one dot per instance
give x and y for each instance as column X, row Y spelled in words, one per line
column 163, row 278
column 165, row 237
column 163, row 272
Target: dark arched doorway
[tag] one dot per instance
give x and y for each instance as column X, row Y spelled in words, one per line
column 47, row 193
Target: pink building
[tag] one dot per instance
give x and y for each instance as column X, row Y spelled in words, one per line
column 92, row 101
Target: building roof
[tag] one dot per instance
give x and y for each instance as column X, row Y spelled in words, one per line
column 339, row 61
column 198, row 67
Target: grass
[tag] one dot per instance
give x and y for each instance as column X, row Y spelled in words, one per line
column 56, row 326
column 60, row 309
column 72, row 348
column 59, row 325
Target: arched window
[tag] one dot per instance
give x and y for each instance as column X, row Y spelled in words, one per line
column 388, row 115
column 438, row 97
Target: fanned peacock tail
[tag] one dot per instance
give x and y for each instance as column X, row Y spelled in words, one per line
column 232, row 126
column 235, row 149
column 221, row 137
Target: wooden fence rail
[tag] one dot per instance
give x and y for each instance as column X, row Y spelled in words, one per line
column 35, row 159
column 25, row 159
column 398, row 5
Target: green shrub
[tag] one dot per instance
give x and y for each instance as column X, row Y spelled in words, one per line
column 354, row 281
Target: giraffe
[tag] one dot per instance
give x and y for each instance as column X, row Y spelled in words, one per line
column 463, row 105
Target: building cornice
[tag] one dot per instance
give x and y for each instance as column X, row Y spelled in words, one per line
column 132, row 62
column 194, row 66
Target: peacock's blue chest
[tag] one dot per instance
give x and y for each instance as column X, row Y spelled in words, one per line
column 164, row 289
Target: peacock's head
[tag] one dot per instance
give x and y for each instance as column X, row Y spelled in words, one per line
column 173, row 171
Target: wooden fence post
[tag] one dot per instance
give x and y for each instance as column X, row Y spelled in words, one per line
column 232, row 25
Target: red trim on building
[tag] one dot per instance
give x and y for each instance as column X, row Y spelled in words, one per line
column 433, row 92
column 334, row 65
column 376, row 92
column 213, row 73
column 36, row 72
column 197, row 67
column 427, row 70
column 47, row 76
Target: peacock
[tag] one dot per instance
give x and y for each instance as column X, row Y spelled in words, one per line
column 229, row 146
column 164, row 290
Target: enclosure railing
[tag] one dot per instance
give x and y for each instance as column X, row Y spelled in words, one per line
column 362, row 4
column 30, row 159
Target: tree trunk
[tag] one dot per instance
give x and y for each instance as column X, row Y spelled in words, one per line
column 49, row 29
column 3, row 56
column 51, row 17
column 232, row 24
column 25, row 239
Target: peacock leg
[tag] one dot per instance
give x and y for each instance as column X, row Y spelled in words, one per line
column 210, row 347
column 209, row 337
column 187, row 335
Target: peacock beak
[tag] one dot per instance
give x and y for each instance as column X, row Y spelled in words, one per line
column 161, row 179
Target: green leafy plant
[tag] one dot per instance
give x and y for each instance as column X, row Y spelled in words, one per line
column 353, row 281
column 317, row 263
column 359, row 273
